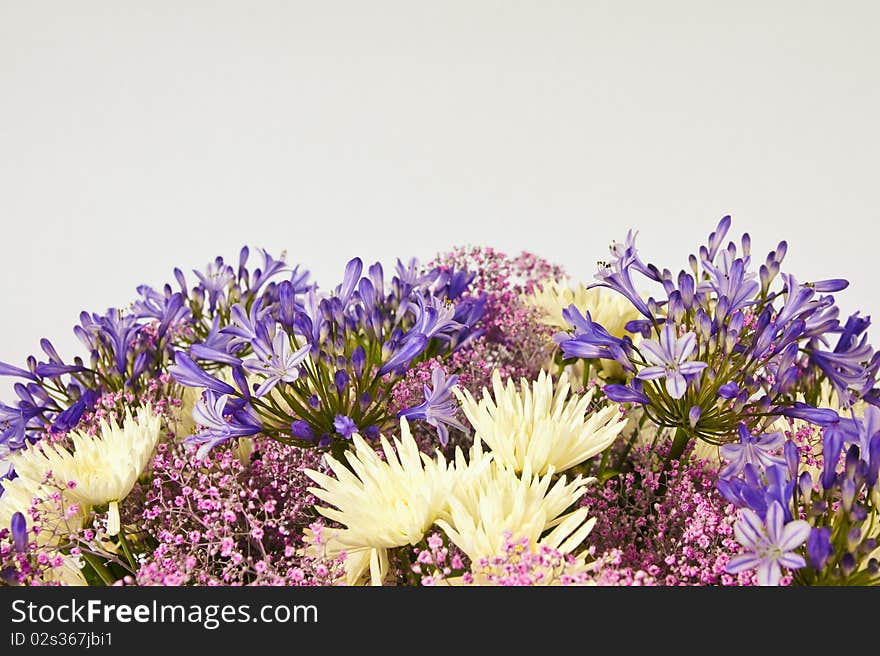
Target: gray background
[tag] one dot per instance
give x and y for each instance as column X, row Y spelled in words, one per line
column 135, row 137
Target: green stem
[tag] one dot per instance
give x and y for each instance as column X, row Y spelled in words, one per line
column 126, row 548
column 679, row 443
column 99, row 568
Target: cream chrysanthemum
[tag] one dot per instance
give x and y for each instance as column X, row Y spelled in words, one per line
column 607, row 308
column 538, row 426
column 490, row 499
column 381, row 503
column 103, row 468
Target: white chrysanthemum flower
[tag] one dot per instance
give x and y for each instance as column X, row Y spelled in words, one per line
column 382, row 503
column 490, row 499
column 104, row 467
column 608, row 308
column 538, row 426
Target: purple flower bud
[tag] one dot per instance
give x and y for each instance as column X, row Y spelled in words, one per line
column 240, row 378
column 340, row 378
column 853, row 538
column 873, row 460
column 805, row 484
column 792, row 458
column 314, row 401
column 819, row 416
column 286, row 304
column 675, row 308
column 642, row 326
column 729, row 341
column 243, row 255
column 703, row 325
column 740, row 401
column 722, row 308
column 736, row 322
column 848, row 564
column 302, row 430
column 819, row 547
column 779, row 253
column 365, row 400
column 858, row 513
column 358, row 360
column 694, row 415
column 847, row 493
column 371, row 432
column 352, row 274
column 624, row 394
column 728, row 390
column 686, row 288
column 852, row 460
column 412, row 347
column 19, row 532
column 830, row 286
column 186, row 372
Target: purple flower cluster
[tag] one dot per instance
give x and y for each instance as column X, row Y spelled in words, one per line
column 825, row 498
column 727, row 347
column 321, row 367
column 128, row 349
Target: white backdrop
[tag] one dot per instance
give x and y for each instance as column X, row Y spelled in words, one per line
column 139, row 136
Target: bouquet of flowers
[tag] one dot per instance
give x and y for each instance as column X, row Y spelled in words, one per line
column 479, row 420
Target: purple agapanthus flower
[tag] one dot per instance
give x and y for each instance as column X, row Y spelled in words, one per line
column 282, row 364
column 18, row 528
column 350, row 278
column 617, row 275
column 439, row 406
column 590, row 339
column 819, row 547
column 214, row 280
column 731, row 280
column 631, row 393
column 345, row 426
column 820, row 416
column 403, row 353
column 212, row 412
column 186, row 372
column 671, row 359
column 757, row 450
column 769, row 545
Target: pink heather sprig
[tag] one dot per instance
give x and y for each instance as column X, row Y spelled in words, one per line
column 33, row 567
column 683, row 536
column 39, row 563
column 514, row 339
column 497, row 272
column 221, row 522
column 515, row 565
column 436, row 562
column 112, row 405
